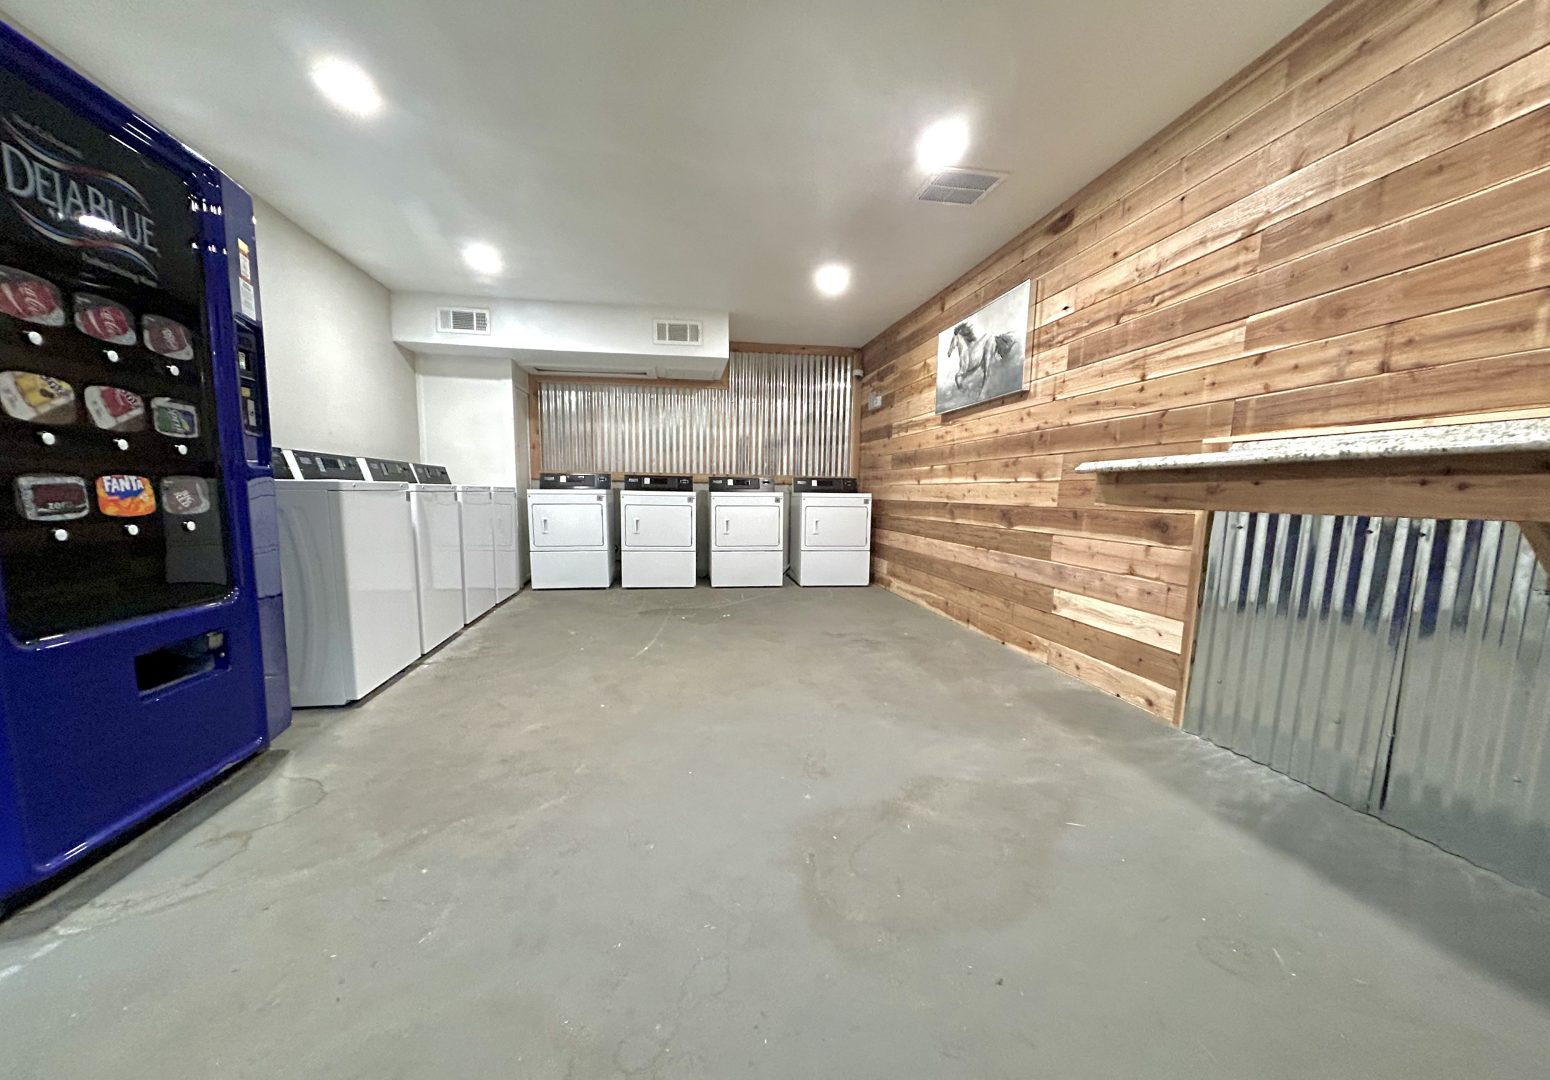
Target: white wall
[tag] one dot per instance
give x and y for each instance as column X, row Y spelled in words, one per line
column 337, row 380
column 541, row 332
column 519, row 406
column 469, row 419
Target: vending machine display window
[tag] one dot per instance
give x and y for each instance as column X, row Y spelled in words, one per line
column 111, row 492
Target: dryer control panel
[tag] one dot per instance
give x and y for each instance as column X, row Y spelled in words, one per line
column 741, row 483
column 845, row 485
column 570, row 481
column 642, row 482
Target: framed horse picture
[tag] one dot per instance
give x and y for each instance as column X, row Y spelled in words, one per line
column 985, row 356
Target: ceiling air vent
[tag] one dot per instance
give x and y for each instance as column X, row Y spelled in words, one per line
column 678, row 332
column 454, row 320
column 583, row 373
column 959, row 187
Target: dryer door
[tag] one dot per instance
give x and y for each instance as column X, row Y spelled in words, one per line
column 560, row 526
column 747, row 524
column 831, row 525
column 659, row 524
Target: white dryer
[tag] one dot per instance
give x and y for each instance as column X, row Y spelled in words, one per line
column 509, row 556
column 570, row 529
column 477, row 518
column 831, row 532
column 657, row 526
column 438, row 552
column 747, row 520
column 348, row 566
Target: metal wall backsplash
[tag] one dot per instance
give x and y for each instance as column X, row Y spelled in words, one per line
column 1399, row 665
column 779, row 415
column 1470, row 767
column 1297, row 649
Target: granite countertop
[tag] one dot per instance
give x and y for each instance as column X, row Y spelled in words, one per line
column 1491, row 437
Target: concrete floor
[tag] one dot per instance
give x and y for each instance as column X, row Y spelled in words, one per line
column 786, row 834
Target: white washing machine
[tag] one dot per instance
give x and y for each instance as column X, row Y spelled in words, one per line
column 477, row 518
column 657, row 525
column 570, row 529
column 347, row 561
column 747, row 522
column 509, row 556
column 831, row 532
column 438, row 551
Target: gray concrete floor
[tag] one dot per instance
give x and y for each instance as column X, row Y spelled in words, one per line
column 786, row 834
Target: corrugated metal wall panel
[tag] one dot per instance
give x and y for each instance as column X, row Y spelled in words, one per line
column 1470, row 769
column 779, row 415
column 1399, row 665
column 1297, row 655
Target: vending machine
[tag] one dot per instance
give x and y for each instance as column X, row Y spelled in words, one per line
column 139, row 557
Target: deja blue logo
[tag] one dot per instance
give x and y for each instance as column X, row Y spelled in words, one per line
column 73, row 204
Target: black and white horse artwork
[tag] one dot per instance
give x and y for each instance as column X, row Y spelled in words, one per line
column 975, row 355
column 982, row 357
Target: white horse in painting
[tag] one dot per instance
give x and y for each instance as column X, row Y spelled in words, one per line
column 975, row 354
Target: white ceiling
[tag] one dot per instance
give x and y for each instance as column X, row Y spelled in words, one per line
column 705, row 153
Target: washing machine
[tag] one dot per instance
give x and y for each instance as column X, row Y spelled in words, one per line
column 476, row 515
column 438, row 552
column 657, row 529
column 746, row 516
column 831, row 532
column 510, row 569
column 348, row 566
column 570, row 529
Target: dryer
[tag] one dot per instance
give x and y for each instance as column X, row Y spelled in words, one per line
column 438, row 552
column 657, row 529
column 348, row 564
column 831, row 532
column 570, row 526
column 747, row 521
column 476, row 506
column 509, row 555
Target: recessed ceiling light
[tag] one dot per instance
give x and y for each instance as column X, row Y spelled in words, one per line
column 482, row 258
column 347, row 86
column 832, row 279
column 942, row 145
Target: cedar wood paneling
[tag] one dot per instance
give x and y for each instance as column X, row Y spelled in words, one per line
column 1353, row 231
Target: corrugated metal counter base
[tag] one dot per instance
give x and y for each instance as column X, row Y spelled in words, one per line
column 1399, row 665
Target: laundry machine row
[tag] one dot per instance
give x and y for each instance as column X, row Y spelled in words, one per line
column 658, row 533
column 382, row 562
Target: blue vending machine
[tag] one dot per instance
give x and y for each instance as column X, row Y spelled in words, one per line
column 139, row 562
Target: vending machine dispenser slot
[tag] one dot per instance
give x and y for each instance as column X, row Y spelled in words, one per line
column 198, row 655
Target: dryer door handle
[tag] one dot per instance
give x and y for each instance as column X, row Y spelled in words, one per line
column 816, row 522
column 635, row 525
column 543, row 524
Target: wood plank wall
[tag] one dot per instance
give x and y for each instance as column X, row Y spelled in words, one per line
column 1354, row 231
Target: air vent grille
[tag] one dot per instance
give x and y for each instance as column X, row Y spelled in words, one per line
column 451, row 320
column 678, row 332
column 583, row 373
column 959, row 187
